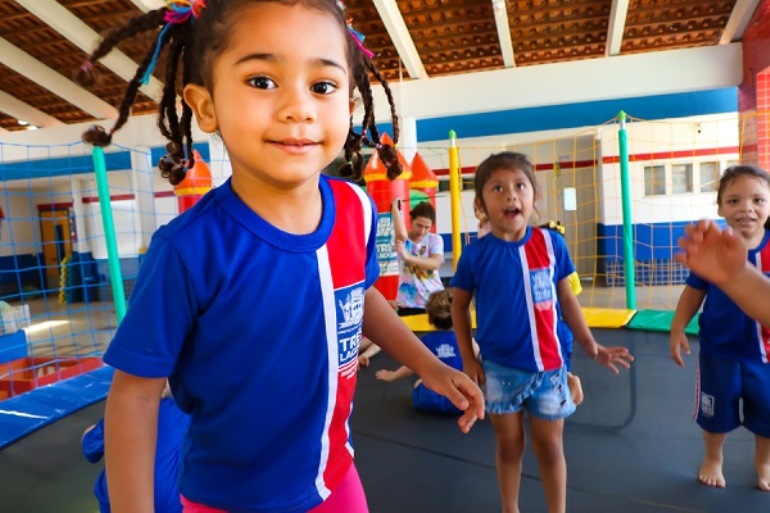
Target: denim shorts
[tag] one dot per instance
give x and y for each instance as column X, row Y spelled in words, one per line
column 542, row 394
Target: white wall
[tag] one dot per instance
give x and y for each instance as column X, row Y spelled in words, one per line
column 623, row 76
column 660, row 138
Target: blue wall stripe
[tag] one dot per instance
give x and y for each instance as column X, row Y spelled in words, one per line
column 80, row 164
column 531, row 119
column 574, row 115
column 157, row 152
column 61, row 166
column 652, row 241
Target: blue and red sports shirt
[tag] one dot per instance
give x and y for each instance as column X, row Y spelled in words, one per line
column 517, row 308
column 258, row 331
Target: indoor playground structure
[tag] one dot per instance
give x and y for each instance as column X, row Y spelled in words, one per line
column 78, row 222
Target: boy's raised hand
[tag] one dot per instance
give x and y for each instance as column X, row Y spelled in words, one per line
column 613, row 356
column 712, row 253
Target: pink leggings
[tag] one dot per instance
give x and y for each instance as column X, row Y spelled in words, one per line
column 347, row 498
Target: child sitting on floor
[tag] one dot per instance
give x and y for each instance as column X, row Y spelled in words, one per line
column 443, row 344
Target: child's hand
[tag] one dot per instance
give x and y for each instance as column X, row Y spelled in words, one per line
column 612, row 356
column 458, row 388
column 475, row 371
column 678, row 343
column 714, row 254
column 385, row 375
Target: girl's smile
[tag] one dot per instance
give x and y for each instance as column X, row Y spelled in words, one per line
column 295, row 146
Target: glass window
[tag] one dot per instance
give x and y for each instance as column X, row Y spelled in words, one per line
column 709, row 176
column 681, row 178
column 654, row 180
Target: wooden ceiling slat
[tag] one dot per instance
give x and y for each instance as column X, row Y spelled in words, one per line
column 451, row 36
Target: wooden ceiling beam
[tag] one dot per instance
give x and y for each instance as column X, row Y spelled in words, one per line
column 616, row 27
column 637, row 47
column 22, row 111
column 503, row 32
column 470, row 38
column 593, row 21
column 33, row 69
column 739, row 20
column 466, row 26
column 89, row 3
column 441, row 8
column 148, row 5
column 586, row 9
column 682, row 5
column 56, row 16
column 402, row 40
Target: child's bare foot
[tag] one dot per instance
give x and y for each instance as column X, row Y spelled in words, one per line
column 763, row 476
column 575, row 388
column 710, row 473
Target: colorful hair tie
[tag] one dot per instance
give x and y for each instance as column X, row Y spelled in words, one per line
column 177, row 12
column 358, row 38
column 87, row 66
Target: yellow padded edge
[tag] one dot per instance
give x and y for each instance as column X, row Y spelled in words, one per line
column 607, row 317
column 419, row 323
column 595, row 317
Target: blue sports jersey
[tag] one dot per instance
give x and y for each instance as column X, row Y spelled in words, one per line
column 172, row 425
column 725, row 331
column 443, row 344
column 258, row 331
column 517, row 308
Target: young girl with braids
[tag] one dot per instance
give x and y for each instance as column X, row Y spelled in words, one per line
column 269, row 396
column 518, row 276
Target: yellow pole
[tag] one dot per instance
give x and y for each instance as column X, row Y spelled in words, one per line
column 454, row 196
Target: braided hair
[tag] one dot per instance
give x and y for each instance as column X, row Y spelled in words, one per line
column 197, row 33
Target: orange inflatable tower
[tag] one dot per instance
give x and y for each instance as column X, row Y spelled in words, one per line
column 424, row 182
column 195, row 184
column 383, row 191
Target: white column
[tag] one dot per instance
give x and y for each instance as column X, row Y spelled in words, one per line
column 141, row 179
column 408, row 140
column 77, row 185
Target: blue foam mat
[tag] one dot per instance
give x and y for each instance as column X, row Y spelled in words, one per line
column 28, row 412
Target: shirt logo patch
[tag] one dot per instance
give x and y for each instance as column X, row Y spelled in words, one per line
column 445, row 351
column 707, row 404
column 542, row 289
column 352, row 308
column 350, row 312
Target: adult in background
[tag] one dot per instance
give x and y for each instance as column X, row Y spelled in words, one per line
column 421, row 254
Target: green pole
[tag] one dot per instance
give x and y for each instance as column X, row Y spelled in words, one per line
column 628, row 229
column 116, row 277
